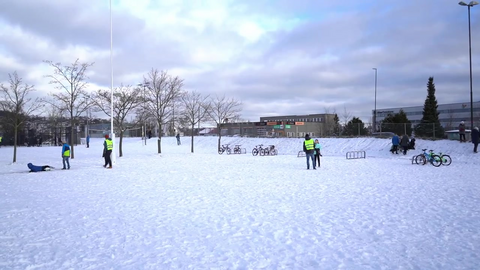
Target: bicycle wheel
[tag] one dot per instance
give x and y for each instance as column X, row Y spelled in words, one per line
column 229, row 151
column 446, row 160
column 274, row 152
column 220, row 151
column 436, row 160
column 255, row 151
column 420, row 160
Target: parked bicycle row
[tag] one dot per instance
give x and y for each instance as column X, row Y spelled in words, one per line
column 258, row 150
column 433, row 158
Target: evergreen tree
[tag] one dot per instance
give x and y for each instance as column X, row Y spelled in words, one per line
column 397, row 123
column 355, row 127
column 430, row 124
column 336, row 125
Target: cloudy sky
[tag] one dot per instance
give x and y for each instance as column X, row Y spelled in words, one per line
column 277, row 57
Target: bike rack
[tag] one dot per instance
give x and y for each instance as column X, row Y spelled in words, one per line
column 355, row 154
column 301, row 154
column 242, row 150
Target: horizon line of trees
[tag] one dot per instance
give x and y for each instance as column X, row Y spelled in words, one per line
column 160, row 95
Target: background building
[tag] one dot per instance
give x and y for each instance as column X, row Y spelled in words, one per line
column 283, row 126
column 450, row 115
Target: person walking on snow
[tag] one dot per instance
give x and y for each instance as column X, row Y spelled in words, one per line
column 475, row 138
column 395, row 143
column 309, row 149
column 107, row 152
column 461, row 131
column 66, row 156
column 404, row 142
column 88, row 141
column 318, row 147
column 178, row 139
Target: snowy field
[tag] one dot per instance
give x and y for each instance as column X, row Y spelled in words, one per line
column 180, row 210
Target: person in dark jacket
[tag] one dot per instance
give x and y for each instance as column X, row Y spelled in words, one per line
column 404, row 143
column 34, row 168
column 178, row 139
column 318, row 147
column 411, row 145
column 475, row 138
column 309, row 149
column 461, row 131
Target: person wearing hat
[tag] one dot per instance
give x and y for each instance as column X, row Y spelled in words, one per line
column 461, row 131
column 475, row 138
column 107, row 152
column 309, row 149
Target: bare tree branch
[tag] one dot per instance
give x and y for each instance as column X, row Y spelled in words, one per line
column 223, row 110
column 195, row 109
column 125, row 100
column 162, row 91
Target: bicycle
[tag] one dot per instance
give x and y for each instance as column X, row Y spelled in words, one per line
column 237, row 149
column 258, row 150
column 224, row 148
column 425, row 157
column 446, row 159
column 270, row 150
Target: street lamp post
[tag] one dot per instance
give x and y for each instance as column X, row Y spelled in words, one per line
column 111, row 85
column 469, row 5
column 375, row 108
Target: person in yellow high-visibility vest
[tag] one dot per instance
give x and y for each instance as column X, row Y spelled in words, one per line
column 309, row 149
column 107, row 152
column 1, row 141
column 66, row 156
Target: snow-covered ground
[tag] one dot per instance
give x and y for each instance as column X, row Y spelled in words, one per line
column 180, row 210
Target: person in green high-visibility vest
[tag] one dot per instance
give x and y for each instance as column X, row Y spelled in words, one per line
column 107, row 152
column 309, row 149
column 66, row 156
column 1, row 141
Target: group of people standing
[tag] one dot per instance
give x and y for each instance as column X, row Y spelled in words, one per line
column 312, row 151
column 475, row 136
column 107, row 153
column 405, row 143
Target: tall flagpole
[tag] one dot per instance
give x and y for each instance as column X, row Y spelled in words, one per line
column 111, row 86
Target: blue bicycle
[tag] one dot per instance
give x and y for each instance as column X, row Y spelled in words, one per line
column 430, row 157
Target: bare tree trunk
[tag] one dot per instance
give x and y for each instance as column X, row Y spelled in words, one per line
column 72, row 152
column 120, row 151
column 159, row 141
column 191, row 147
column 15, row 136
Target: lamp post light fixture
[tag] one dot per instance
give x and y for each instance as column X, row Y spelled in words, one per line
column 375, row 108
column 469, row 5
column 145, row 84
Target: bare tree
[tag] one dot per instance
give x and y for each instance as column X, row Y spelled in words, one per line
column 17, row 106
column 162, row 91
column 195, row 108
column 223, row 110
column 125, row 100
column 73, row 98
column 55, row 119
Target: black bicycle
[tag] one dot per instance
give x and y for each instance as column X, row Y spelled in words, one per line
column 270, row 150
column 225, row 148
column 258, row 150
